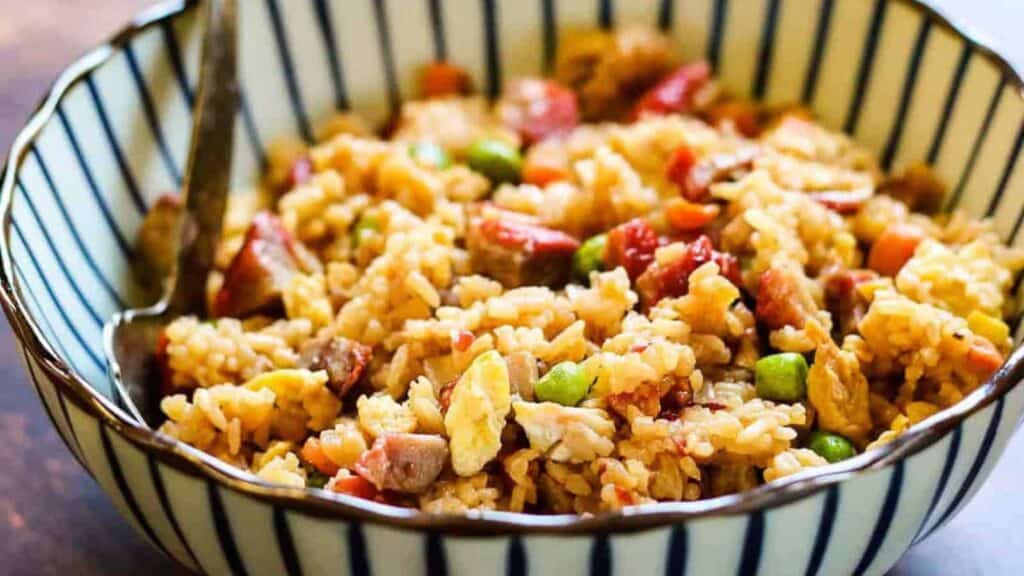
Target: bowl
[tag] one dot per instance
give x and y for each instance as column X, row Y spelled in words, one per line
column 112, row 135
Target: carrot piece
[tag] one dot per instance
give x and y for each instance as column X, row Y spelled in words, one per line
column 894, row 247
column 462, row 340
column 355, row 486
column 540, row 173
column 688, row 216
column 742, row 115
column 313, row 453
column 983, row 358
column 679, row 165
column 440, row 79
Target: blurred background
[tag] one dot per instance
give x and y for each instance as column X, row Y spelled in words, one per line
column 55, row 520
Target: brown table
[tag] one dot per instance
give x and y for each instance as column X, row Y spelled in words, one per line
column 55, row 520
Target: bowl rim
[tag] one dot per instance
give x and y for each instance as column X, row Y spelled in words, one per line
column 198, row 464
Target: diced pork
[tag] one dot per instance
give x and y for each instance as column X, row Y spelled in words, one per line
column 259, row 271
column 917, row 187
column 782, row 300
column 538, row 109
column 631, row 245
column 673, row 279
column 344, row 360
column 843, row 300
column 517, row 252
column 610, row 69
column 676, row 93
column 696, row 185
column 403, row 462
column 154, row 245
column 842, row 201
column 523, row 373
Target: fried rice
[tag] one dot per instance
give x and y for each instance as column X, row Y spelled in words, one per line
column 384, row 320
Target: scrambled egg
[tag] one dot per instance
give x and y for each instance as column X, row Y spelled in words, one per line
column 480, row 402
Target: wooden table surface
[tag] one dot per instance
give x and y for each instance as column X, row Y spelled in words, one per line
column 55, row 520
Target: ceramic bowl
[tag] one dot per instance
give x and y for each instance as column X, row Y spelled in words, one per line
column 111, row 136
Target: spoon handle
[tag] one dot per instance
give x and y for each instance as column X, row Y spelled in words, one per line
column 208, row 173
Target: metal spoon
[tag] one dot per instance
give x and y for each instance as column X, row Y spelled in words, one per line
column 130, row 337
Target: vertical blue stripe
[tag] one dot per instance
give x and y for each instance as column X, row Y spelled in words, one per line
column 753, row 541
column 666, row 15
column 72, row 281
column 976, row 147
column 125, row 490
column 108, row 214
column 885, row 516
column 288, row 68
column 515, row 560
column 766, row 49
column 951, row 98
column 115, row 146
column 718, row 16
column 57, row 304
column 384, row 40
column 867, row 63
column 79, row 295
column 601, row 556
column 605, row 14
column 358, row 562
column 332, row 50
column 52, row 336
column 285, row 544
column 165, row 504
column 550, row 26
column 940, row 487
column 177, row 63
column 80, row 455
column 152, row 118
column 181, row 74
column 435, row 559
column 818, row 50
column 46, row 407
column 49, row 333
column 70, row 226
column 491, row 44
column 824, row 534
column 678, row 542
column 249, row 123
column 896, row 131
column 72, row 442
column 979, row 461
column 437, row 28
column 225, row 534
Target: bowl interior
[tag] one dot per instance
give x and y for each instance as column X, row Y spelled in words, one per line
column 889, row 72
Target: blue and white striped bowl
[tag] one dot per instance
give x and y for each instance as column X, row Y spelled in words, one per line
column 111, row 136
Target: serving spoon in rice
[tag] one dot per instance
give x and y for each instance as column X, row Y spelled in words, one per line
column 131, row 337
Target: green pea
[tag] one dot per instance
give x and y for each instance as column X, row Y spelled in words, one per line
column 431, row 154
column 367, row 224
column 315, row 479
column 495, row 159
column 831, row 447
column 781, row 377
column 589, row 257
column 566, row 384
